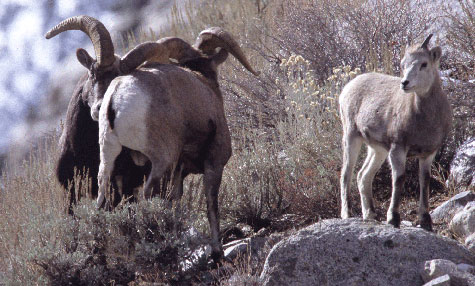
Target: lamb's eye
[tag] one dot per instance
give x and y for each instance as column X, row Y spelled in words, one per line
column 423, row 65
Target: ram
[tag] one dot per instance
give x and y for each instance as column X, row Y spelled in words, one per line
column 79, row 141
column 399, row 118
column 171, row 115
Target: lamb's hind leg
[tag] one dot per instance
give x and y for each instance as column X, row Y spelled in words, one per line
column 424, row 180
column 373, row 162
column 397, row 159
column 351, row 147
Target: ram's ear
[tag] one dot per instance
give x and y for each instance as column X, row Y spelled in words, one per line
column 84, row 58
column 435, row 53
column 220, row 56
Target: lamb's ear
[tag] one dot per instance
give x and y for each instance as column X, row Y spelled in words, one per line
column 84, row 58
column 435, row 53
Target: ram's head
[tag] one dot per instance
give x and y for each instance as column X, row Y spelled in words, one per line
column 202, row 57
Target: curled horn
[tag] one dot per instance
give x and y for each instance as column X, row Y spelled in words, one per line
column 142, row 53
column 159, row 51
column 426, row 42
column 209, row 39
column 95, row 30
column 179, row 49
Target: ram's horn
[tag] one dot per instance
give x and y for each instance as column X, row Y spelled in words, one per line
column 95, row 30
column 212, row 38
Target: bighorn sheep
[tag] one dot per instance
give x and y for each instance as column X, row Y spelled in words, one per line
column 401, row 117
column 174, row 116
column 79, row 142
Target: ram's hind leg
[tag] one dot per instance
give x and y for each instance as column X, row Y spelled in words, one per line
column 374, row 160
column 351, row 147
column 424, row 179
column 154, row 181
column 211, row 182
column 109, row 150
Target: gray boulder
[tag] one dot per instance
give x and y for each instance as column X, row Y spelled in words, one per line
column 253, row 250
column 439, row 281
column 437, row 268
column 463, row 225
column 445, row 212
column 462, row 168
column 357, row 252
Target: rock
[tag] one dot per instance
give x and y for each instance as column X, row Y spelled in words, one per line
column 446, row 211
column 357, row 252
column 466, row 268
column 463, row 223
column 439, row 281
column 201, row 251
column 231, row 252
column 406, row 223
column 254, row 249
column 462, row 168
column 437, row 268
column 470, row 242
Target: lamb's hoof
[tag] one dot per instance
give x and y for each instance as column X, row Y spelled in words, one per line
column 345, row 214
column 395, row 219
column 426, row 222
column 370, row 215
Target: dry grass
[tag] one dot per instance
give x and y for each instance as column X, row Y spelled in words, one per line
column 285, row 124
column 30, row 198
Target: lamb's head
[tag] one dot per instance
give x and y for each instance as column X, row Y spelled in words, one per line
column 420, row 67
column 107, row 65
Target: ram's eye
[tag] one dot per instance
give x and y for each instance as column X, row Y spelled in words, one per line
column 423, row 65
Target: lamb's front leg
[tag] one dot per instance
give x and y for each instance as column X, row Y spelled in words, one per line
column 397, row 159
column 424, row 179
